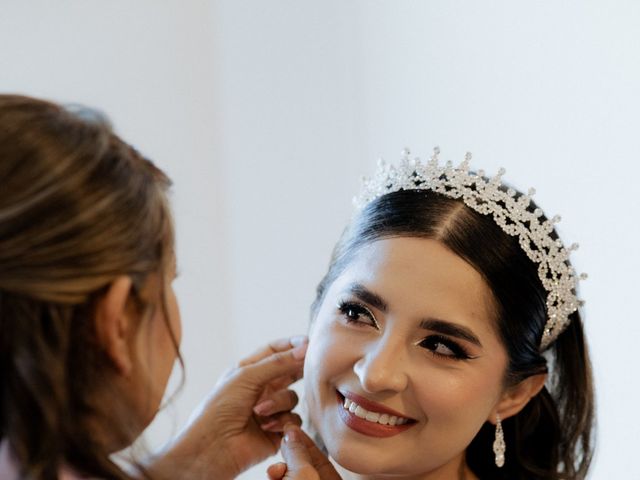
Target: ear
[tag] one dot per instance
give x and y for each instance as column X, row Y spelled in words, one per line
column 516, row 398
column 114, row 324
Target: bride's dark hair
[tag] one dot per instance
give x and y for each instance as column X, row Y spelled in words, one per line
column 551, row 438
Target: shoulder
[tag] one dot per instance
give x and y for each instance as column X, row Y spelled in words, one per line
column 9, row 467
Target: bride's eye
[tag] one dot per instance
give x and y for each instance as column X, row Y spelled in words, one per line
column 358, row 314
column 444, row 347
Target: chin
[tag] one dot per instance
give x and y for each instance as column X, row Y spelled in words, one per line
column 359, row 466
column 362, row 461
column 370, row 465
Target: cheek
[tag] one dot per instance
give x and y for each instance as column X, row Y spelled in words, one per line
column 327, row 359
column 175, row 318
column 318, row 352
column 328, row 353
column 457, row 401
column 162, row 354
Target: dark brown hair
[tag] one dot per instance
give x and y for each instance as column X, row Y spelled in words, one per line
column 78, row 208
column 551, row 438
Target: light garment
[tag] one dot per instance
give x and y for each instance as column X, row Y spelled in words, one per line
column 9, row 471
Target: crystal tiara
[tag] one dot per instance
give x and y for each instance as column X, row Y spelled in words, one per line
column 512, row 213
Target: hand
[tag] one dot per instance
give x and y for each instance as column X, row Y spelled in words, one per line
column 304, row 460
column 240, row 423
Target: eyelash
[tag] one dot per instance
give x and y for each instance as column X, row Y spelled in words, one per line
column 349, row 309
column 346, row 307
column 459, row 353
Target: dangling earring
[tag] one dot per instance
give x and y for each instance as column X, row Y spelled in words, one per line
column 499, row 446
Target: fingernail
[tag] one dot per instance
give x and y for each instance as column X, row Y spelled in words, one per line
column 291, row 433
column 300, row 352
column 298, row 340
column 269, row 425
column 264, row 407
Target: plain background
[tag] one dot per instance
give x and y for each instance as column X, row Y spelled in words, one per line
column 267, row 113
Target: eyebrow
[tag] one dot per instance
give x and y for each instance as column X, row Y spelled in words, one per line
column 450, row 329
column 361, row 292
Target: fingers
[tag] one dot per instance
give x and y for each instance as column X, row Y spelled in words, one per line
column 286, row 380
column 287, row 363
column 277, row 410
column 280, row 345
column 280, row 401
column 277, row 423
column 295, row 442
column 277, row 471
column 294, row 451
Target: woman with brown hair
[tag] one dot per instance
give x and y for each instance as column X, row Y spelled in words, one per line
column 446, row 339
column 89, row 323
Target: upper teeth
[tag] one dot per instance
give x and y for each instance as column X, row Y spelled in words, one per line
column 382, row 418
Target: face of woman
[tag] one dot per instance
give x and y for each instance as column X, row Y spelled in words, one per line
column 404, row 365
column 155, row 348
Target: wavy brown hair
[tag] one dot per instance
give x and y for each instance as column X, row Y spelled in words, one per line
column 78, row 208
column 552, row 437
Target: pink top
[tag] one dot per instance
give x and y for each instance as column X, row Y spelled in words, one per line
column 9, row 471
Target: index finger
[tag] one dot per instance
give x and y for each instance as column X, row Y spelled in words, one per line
column 280, row 345
column 289, row 362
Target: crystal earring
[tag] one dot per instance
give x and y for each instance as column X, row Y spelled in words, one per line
column 499, row 446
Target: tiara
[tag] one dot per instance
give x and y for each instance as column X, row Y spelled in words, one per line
column 512, row 213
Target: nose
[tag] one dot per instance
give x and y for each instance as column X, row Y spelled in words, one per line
column 382, row 367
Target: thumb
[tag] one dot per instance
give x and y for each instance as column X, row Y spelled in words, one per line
column 304, row 460
column 294, row 451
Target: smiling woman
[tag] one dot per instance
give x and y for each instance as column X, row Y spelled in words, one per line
column 446, row 340
column 440, row 379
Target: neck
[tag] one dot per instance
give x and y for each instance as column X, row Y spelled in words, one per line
column 112, row 425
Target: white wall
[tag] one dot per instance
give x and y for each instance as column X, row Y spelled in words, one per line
column 266, row 114
column 149, row 65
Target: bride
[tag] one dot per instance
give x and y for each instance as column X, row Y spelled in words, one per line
column 446, row 341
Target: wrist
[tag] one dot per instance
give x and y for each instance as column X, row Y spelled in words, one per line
column 177, row 460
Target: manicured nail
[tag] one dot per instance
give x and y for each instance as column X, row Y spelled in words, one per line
column 300, row 351
column 291, row 433
column 269, row 425
column 264, row 407
column 298, row 340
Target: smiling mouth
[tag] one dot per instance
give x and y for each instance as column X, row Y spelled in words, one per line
column 369, row 418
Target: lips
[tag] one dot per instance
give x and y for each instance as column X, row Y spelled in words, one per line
column 371, row 418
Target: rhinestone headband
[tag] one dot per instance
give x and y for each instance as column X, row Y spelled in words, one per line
column 513, row 215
